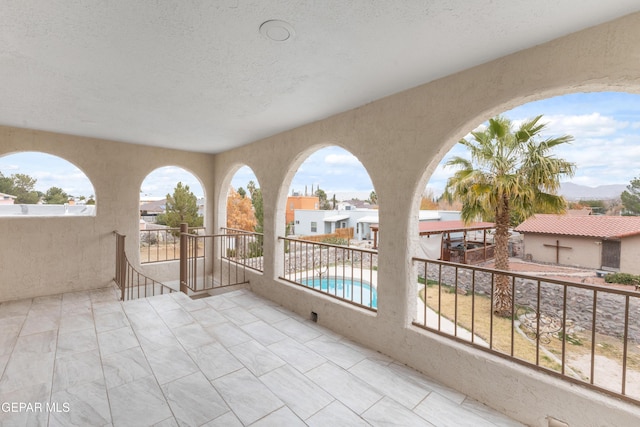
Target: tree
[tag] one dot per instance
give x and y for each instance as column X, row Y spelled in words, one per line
column 258, row 207
column 427, row 201
column 512, row 173
column 240, row 213
column 55, row 196
column 91, row 200
column 21, row 186
column 631, row 198
column 181, row 207
column 323, row 203
column 373, row 198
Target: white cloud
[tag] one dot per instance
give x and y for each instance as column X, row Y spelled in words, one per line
column 341, row 159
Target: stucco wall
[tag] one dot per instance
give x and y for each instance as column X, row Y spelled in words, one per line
column 399, row 140
column 574, row 251
column 630, row 255
column 48, row 255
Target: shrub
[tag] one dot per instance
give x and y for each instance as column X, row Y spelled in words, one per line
column 623, row 279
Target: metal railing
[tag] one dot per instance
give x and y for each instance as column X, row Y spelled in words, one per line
column 205, row 263
column 586, row 334
column 243, row 247
column 162, row 244
column 131, row 282
column 346, row 273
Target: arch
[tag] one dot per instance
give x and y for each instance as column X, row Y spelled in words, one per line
column 57, row 187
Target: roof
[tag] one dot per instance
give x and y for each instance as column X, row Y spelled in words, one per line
column 334, row 218
column 5, row 195
column 369, row 219
column 433, row 227
column 601, row 226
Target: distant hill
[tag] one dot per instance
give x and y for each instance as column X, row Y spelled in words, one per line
column 572, row 191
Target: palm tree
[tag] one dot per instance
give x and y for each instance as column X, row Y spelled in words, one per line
column 511, row 175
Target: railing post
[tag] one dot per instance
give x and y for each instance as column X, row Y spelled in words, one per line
column 184, row 229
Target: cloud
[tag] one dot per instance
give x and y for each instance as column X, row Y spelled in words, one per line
column 342, row 159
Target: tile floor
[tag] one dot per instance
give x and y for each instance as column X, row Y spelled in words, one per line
column 85, row 359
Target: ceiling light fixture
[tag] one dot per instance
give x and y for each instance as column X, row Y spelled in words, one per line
column 278, row 31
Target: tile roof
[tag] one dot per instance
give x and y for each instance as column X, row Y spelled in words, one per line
column 588, row 226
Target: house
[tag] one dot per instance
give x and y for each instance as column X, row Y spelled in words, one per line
column 7, row 199
column 124, row 88
column 309, row 222
column 589, row 241
column 296, row 202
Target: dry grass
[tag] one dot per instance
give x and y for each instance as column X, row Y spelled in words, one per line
column 505, row 339
column 163, row 252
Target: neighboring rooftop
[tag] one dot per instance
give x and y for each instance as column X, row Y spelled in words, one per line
column 587, row 226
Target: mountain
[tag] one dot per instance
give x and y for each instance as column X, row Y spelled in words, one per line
column 572, row 191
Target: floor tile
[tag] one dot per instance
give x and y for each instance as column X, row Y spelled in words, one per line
column 496, row 418
column 76, row 342
column 281, row 417
column 125, row 367
column 81, row 405
column 176, row 318
column 338, row 352
column 26, row 370
column 268, row 314
column 35, row 323
column 138, row 403
column 192, row 335
column 42, row 342
column 239, row 316
column 116, row 340
column 155, row 338
column 77, row 369
column 298, row 392
column 256, row 357
column 346, row 387
column 110, row 320
column 193, row 400
column 388, row 412
column 170, row 363
column 227, row 420
column 228, row 334
column 249, row 399
column 297, row 355
column 208, row 316
column 297, row 330
column 36, row 393
column 442, row 412
column 389, row 383
column 214, row 360
column 264, row 333
column 336, row 414
column 76, row 321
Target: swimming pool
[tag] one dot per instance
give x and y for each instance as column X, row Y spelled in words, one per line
column 350, row 289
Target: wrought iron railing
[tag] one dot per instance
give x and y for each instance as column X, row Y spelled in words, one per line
column 131, row 283
column 346, row 273
column 243, row 247
column 206, row 264
column 586, row 334
column 162, row 244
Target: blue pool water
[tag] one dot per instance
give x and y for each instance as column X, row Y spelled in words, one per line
column 349, row 289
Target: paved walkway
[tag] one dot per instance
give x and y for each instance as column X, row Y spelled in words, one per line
column 85, row 359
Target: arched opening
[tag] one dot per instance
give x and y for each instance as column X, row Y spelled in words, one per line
column 553, row 322
column 40, row 184
column 169, row 196
column 331, row 218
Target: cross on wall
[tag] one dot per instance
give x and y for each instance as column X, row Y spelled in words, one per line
column 558, row 247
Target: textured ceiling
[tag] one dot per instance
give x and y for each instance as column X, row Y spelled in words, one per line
column 199, row 75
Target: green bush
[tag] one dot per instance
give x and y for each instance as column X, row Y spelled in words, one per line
column 335, row 241
column 623, row 279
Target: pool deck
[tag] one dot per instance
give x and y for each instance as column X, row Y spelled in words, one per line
column 227, row 360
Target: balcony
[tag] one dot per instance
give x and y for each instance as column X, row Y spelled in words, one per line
column 85, row 358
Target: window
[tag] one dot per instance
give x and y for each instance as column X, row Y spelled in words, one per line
column 314, row 226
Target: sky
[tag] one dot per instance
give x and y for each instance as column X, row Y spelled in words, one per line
column 606, row 150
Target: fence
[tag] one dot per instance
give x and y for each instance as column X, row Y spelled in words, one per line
column 346, row 273
column 341, row 233
column 131, row 282
column 162, row 244
column 214, row 261
column 586, row 334
column 243, row 247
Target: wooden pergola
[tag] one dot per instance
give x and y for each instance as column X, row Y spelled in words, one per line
column 456, row 245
